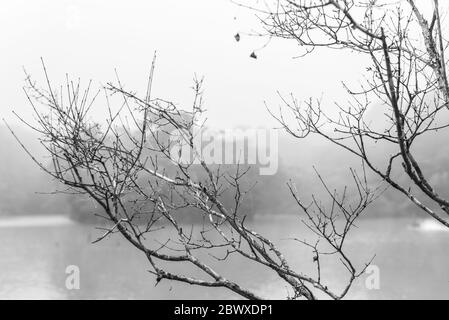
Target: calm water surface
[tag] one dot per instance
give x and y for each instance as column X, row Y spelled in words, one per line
column 413, row 262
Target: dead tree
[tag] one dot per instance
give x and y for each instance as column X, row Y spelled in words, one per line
column 407, row 75
column 126, row 166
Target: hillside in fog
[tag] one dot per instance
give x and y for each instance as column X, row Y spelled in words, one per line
column 22, row 182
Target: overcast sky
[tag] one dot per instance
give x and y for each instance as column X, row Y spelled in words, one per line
column 88, row 39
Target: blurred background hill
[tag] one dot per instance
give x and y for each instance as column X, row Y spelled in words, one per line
column 24, row 188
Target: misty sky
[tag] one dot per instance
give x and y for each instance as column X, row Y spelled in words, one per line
column 88, row 39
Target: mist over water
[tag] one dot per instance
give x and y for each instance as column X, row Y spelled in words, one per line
column 43, row 233
column 40, row 237
column 36, row 251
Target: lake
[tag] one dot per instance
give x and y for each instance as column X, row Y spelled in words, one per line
column 412, row 258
